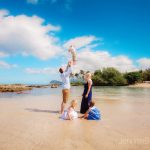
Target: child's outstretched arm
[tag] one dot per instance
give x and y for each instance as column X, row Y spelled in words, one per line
column 85, row 116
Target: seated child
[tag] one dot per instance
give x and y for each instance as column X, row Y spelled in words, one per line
column 72, row 50
column 70, row 113
column 92, row 113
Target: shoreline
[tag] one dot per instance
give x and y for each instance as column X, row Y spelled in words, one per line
column 24, row 87
column 19, row 87
column 14, row 88
column 140, row 85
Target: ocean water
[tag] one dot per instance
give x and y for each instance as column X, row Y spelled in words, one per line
column 111, row 93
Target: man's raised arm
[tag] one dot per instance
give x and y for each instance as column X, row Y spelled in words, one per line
column 68, row 69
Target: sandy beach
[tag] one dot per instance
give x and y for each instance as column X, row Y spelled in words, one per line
column 32, row 123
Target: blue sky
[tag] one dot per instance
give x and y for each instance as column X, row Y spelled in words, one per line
column 112, row 33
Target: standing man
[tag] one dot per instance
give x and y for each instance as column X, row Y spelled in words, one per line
column 65, row 84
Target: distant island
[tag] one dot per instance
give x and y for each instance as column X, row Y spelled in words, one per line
column 55, row 82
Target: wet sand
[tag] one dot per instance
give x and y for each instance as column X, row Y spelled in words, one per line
column 32, row 123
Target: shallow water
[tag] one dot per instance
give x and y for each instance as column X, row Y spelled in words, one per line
column 101, row 93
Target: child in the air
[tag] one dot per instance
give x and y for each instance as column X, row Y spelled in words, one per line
column 72, row 51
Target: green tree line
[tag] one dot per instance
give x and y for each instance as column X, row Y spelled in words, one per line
column 112, row 77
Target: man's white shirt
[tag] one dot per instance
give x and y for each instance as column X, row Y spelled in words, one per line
column 65, row 78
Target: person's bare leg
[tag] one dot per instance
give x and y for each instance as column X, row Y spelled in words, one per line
column 65, row 99
column 62, row 107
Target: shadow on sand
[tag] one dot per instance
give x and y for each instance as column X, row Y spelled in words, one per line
column 45, row 111
column 40, row 110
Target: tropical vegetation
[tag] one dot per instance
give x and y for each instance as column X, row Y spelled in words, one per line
column 112, row 77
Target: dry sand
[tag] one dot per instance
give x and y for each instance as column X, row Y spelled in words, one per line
column 32, row 123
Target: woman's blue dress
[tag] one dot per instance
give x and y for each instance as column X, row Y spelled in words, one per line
column 85, row 101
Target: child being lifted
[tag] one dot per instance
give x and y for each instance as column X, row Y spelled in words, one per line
column 73, row 58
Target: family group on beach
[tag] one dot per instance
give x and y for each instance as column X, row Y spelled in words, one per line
column 88, row 109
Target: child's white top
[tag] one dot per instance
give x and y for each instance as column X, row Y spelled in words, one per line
column 73, row 114
column 72, row 50
column 69, row 56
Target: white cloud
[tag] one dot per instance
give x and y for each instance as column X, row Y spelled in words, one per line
column 2, row 54
column 144, row 63
column 3, row 12
column 27, row 36
column 92, row 60
column 24, row 35
column 47, row 70
column 80, row 42
column 6, row 65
